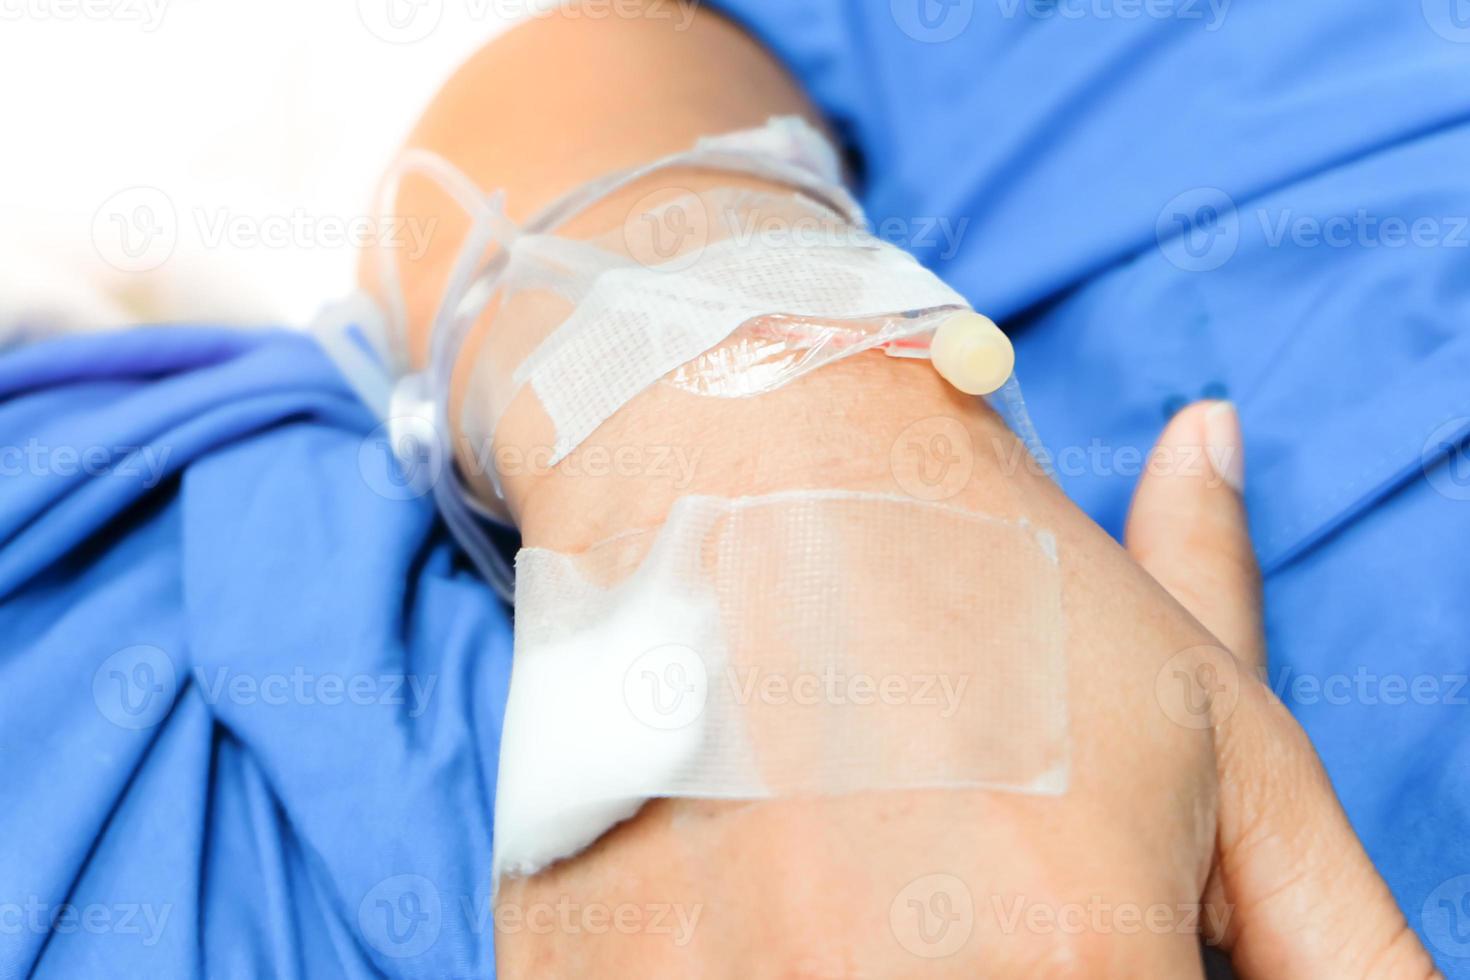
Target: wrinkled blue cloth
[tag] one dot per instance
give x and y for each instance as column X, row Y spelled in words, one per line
column 1165, row 200
column 251, row 701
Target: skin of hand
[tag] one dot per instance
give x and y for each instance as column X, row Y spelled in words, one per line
column 1180, row 822
column 1162, row 811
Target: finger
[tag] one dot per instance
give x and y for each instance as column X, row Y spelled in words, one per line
column 1292, row 893
column 1187, row 526
column 1303, row 897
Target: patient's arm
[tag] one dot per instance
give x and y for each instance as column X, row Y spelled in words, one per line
column 1157, row 814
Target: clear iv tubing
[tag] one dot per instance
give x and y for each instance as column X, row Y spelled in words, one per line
column 1009, row 394
column 488, row 226
column 469, row 291
column 471, row 286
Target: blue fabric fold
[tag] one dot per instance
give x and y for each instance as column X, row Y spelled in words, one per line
column 253, row 705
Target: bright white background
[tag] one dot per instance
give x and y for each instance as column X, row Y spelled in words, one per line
column 206, row 159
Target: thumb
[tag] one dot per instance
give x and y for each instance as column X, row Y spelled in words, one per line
column 1292, row 893
column 1187, row 526
column 1305, row 897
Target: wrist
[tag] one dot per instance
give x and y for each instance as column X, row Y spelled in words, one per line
column 865, row 422
column 869, row 423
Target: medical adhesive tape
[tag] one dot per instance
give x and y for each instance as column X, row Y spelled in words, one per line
column 802, row 643
column 591, row 327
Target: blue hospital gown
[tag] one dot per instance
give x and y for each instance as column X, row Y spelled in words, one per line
column 252, row 693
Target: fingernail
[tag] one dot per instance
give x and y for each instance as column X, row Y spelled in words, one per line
column 1225, row 445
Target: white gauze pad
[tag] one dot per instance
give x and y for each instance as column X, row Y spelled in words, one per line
column 801, row 643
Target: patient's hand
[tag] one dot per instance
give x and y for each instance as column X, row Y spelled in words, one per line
column 1166, row 804
column 1196, row 806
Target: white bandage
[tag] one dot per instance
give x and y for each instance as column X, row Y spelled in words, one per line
column 794, row 644
column 611, row 325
